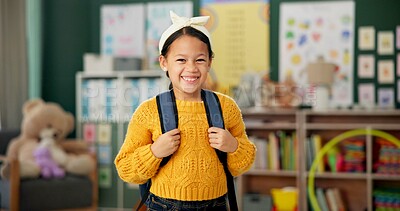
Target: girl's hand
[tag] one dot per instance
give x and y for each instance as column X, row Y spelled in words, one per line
column 222, row 139
column 166, row 144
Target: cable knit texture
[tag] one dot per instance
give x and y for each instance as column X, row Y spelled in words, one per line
column 194, row 172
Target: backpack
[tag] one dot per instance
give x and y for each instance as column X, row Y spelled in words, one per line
column 168, row 113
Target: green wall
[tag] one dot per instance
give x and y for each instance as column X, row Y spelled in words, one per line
column 66, row 37
column 70, row 29
column 383, row 15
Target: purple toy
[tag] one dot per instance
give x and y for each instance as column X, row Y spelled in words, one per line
column 48, row 167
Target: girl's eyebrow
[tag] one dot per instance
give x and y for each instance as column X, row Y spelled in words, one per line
column 202, row 54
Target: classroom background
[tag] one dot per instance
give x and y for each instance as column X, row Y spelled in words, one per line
column 318, row 83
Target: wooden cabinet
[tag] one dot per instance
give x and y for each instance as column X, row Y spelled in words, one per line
column 358, row 180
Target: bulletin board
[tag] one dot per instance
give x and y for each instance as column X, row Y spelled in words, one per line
column 382, row 17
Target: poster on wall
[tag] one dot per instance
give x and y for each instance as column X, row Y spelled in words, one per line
column 240, row 35
column 158, row 19
column 366, row 38
column 122, row 30
column 385, row 43
column 309, row 30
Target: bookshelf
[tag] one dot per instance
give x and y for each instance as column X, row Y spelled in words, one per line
column 260, row 124
column 105, row 102
column 361, row 188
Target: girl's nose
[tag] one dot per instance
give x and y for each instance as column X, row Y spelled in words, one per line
column 191, row 66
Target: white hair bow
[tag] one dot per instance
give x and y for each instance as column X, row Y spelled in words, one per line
column 180, row 22
column 184, row 21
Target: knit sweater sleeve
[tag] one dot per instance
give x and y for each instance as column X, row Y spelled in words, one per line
column 242, row 159
column 135, row 163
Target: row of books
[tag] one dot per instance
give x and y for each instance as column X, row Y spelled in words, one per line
column 347, row 156
column 386, row 199
column 277, row 152
column 112, row 100
column 388, row 154
column 330, row 199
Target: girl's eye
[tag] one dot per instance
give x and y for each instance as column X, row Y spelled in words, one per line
column 180, row 60
column 201, row 60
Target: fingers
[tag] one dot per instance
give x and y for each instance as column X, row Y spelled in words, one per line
column 177, row 143
column 173, row 132
column 215, row 130
column 213, row 136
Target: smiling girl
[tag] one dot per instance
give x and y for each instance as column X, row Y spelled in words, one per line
column 193, row 178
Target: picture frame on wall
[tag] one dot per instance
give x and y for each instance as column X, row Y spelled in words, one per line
column 385, row 43
column 366, row 38
column 366, row 66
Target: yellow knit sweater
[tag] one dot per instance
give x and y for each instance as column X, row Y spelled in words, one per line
column 194, row 172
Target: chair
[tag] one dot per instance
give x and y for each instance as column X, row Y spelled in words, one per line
column 69, row 193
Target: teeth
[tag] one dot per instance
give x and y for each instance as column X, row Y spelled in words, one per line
column 191, row 79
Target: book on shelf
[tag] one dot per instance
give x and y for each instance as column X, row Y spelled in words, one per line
column 354, row 155
column 329, row 199
column 386, row 157
column 262, row 159
column 317, row 144
column 309, row 152
column 274, row 151
column 338, row 199
column 322, row 199
column 386, row 198
column 277, row 152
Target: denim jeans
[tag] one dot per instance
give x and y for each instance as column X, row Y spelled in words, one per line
column 155, row 203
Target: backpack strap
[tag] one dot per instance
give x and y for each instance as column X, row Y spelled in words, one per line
column 168, row 113
column 215, row 119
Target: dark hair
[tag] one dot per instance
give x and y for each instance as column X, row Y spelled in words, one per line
column 187, row 30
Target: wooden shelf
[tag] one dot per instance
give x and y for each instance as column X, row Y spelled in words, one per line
column 341, row 175
column 270, row 125
column 271, row 173
column 385, row 177
column 357, row 188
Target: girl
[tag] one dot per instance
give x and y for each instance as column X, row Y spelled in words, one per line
column 194, row 178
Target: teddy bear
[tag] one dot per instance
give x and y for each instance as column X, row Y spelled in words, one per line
column 39, row 116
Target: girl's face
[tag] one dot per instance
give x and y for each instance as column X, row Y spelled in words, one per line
column 187, row 63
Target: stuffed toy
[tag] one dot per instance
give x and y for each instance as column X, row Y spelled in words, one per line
column 46, row 153
column 43, row 119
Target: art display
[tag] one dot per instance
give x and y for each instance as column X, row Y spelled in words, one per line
column 366, row 38
column 309, row 30
column 122, row 30
column 366, row 66
column 366, row 94
column 386, row 71
column 385, row 43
